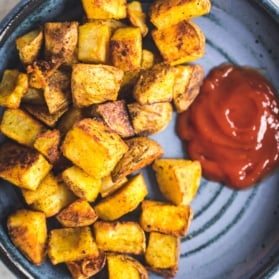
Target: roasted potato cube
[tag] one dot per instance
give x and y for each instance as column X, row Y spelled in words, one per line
column 33, row 96
column 142, row 152
column 28, row 231
column 50, row 196
column 93, row 147
column 77, row 214
column 93, row 42
column 188, row 80
column 22, row 166
column 13, row 86
column 178, row 179
column 122, row 237
column 165, row 218
column 155, row 85
column 126, row 48
column 166, row 13
column 180, row 43
column 29, row 46
column 60, row 39
column 20, row 126
column 124, row 200
column 71, row 244
column 150, row 119
column 104, row 9
column 119, row 264
column 148, row 59
column 82, row 185
column 108, row 186
column 88, row 86
column 162, row 254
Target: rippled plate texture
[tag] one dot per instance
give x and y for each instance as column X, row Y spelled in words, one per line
column 234, row 235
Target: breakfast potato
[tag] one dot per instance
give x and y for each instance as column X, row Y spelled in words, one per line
column 124, row 200
column 28, row 231
column 93, row 147
column 178, row 179
column 122, row 237
column 159, row 217
column 141, row 152
column 22, row 166
column 71, row 244
column 108, row 186
column 191, row 44
column 33, row 96
column 150, row 119
column 117, row 263
column 13, row 86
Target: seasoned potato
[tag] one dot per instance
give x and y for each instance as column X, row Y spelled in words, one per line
column 124, row 200
column 13, row 86
column 33, row 96
column 122, row 237
column 141, row 152
column 28, row 231
column 71, row 244
column 150, row 119
column 159, row 216
column 88, row 85
column 166, row 13
column 108, row 186
column 178, row 179
column 22, row 166
column 148, row 59
column 180, row 43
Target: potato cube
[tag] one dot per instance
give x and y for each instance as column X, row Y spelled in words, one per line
column 22, row 166
column 180, row 43
column 33, row 96
column 148, row 59
column 71, row 244
column 165, row 218
column 93, row 147
column 20, row 126
column 166, row 13
column 28, row 231
column 108, row 186
column 88, row 86
column 124, row 200
column 13, row 86
column 126, row 48
column 178, row 179
column 122, row 237
column 162, row 254
column 155, row 85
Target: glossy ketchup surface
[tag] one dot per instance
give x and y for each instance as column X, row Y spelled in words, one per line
column 232, row 128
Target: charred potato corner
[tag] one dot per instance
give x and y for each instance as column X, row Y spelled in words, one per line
column 76, row 123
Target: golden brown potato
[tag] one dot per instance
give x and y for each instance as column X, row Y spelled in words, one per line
column 150, row 119
column 180, row 43
column 28, row 231
column 108, row 186
column 33, row 96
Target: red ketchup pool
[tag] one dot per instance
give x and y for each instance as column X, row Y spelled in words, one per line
column 232, row 128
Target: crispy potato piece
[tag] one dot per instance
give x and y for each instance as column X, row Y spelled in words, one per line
column 22, row 166
column 125, row 267
column 155, row 85
column 148, row 59
column 180, row 43
column 150, row 119
column 162, row 254
column 165, row 218
column 28, row 231
column 88, row 85
column 142, row 152
column 77, row 214
column 166, row 13
column 93, row 147
column 104, row 9
column 122, row 237
column 124, row 200
column 188, row 80
column 33, row 96
column 108, row 186
column 29, row 45
column 178, row 179
column 126, row 48
column 71, row 244
column 20, row 126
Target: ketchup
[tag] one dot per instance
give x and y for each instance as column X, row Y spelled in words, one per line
column 232, row 128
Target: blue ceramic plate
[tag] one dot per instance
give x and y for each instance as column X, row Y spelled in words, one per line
column 234, row 235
